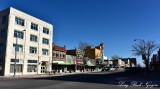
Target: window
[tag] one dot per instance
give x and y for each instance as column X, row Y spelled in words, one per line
column 45, row 51
column 13, row 60
column 61, row 55
column 1, row 47
column 57, row 55
column 33, row 50
column 34, row 26
column 32, row 61
column 31, row 68
column 19, row 48
column 45, row 41
column 19, row 21
column 54, row 54
column 18, row 34
column 2, row 34
column 4, row 20
column 45, row 30
column 1, row 60
column 19, row 68
column 33, row 38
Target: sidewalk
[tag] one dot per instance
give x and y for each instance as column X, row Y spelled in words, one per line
column 42, row 75
column 30, row 76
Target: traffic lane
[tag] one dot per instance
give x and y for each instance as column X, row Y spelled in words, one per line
column 53, row 84
column 79, row 81
column 101, row 78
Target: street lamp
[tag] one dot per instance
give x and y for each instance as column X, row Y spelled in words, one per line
column 15, row 61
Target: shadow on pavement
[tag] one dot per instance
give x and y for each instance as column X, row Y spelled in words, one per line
column 114, row 78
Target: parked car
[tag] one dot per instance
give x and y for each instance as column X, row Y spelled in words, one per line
column 105, row 68
column 112, row 69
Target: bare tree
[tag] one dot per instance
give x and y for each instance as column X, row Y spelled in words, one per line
column 82, row 45
column 145, row 49
column 114, row 57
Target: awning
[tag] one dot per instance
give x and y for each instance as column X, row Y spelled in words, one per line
column 59, row 62
column 89, row 63
column 69, row 64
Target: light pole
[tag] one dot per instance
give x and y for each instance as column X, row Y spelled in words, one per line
column 15, row 61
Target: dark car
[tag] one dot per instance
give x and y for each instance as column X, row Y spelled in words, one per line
column 105, row 68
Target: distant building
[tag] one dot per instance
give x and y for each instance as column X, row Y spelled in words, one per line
column 33, row 54
column 124, row 62
column 155, row 61
column 79, row 60
column 59, row 53
column 58, row 58
column 96, row 53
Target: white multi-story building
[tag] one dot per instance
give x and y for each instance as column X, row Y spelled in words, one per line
column 32, row 38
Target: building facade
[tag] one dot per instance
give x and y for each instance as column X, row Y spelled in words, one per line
column 59, row 58
column 124, row 62
column 59, row 53
column 26, row 41
column 95, row 53
column 79, row 60
column 155, row 61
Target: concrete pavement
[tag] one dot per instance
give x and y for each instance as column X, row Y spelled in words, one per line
column 43, row 75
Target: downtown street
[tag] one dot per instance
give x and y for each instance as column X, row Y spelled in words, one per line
column 100, row 80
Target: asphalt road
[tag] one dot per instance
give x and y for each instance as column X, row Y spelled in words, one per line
column 104, row 80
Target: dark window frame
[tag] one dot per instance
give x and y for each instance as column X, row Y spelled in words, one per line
column 34, row 26
column 45, row 41
column 32, row 61
column 19, row 34
column 19, row 21
column 45, row 30
column 4, row 19
column 33, row 38
column 45, row 51
column 33, row 50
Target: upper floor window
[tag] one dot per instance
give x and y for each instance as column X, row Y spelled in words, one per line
column 1, row 47
column 33, row 38
column 34, row 26
column 45, row 41
column 64, row 56
column 19, row 48
column 18, row 34
column 4, row 20
column 1, row 60
column 61, row 55
column 45, row 30
column 2, row 33
column 54, row 54
column 13, row 60
column 45, row 51
column 19, row 21
column 33, row 50
column 32, row 61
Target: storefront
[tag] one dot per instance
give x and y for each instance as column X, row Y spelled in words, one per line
column 62, row 67
column 90, row 65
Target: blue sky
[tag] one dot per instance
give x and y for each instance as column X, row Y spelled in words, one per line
column 114, row 22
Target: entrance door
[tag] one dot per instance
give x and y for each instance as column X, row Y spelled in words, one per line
column 43, row 69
